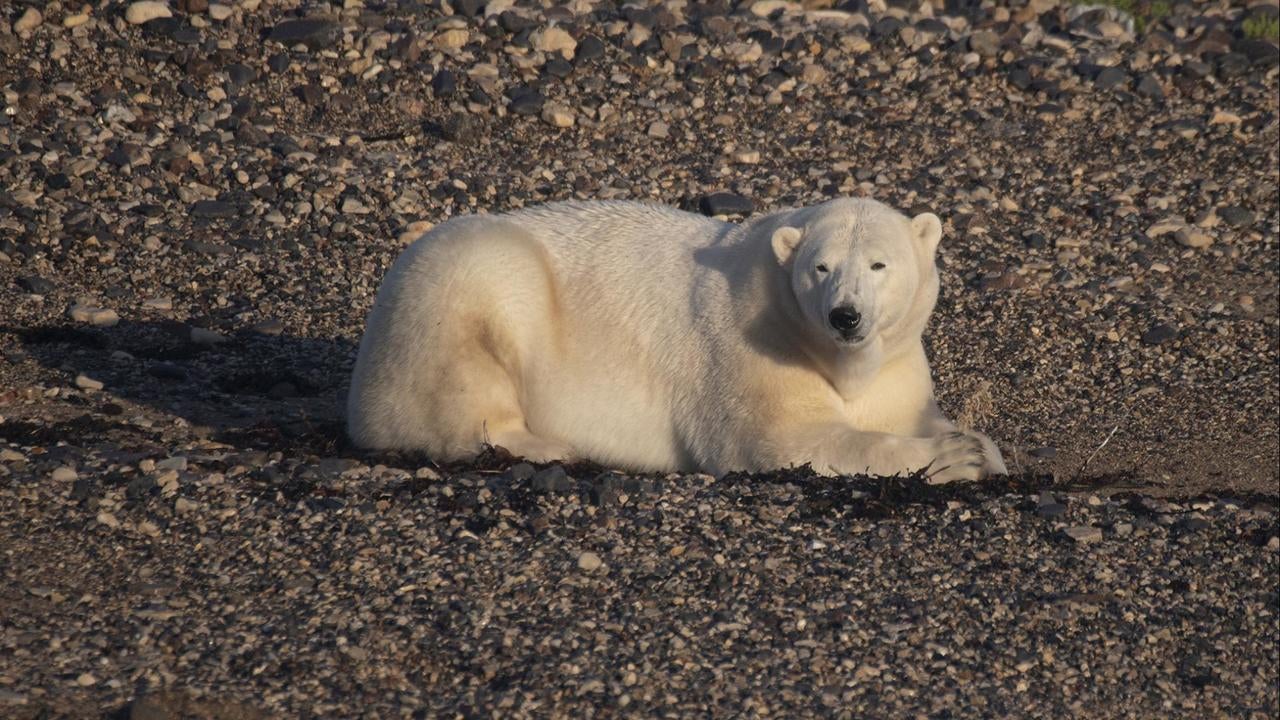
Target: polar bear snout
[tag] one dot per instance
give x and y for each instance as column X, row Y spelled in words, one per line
column 845, row 320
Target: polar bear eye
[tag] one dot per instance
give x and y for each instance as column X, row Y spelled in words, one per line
column 877, row 266
column 821, row 267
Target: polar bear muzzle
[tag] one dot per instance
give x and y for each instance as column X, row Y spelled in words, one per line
column 845, row 320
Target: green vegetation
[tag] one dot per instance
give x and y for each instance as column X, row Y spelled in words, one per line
column 1259, row 27
column 1143, row 12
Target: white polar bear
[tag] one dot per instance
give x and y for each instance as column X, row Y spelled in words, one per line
column 639, row 336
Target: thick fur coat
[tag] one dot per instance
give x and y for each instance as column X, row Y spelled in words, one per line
column 643, row 337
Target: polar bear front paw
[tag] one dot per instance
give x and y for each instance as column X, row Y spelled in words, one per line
column 957, row 456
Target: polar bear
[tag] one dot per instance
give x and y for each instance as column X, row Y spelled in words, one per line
column 638, row 336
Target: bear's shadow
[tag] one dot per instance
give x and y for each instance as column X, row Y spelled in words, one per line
column 267, row 391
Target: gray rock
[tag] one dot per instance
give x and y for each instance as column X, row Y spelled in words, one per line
column 725, row 203
column 314, row 33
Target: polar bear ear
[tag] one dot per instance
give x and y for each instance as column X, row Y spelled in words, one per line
column 785, row 240
column 926, row 228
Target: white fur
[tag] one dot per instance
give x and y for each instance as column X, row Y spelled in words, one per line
column 639, row 336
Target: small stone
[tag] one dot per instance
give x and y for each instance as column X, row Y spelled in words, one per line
column 29, row 20
column 985, row 42
column 1165, row 226
column 270, row 326
column 460, row 127
column 106, row 518
column 554, row 40
column 315, row 34
column 353, row 206
column 553, row 479
column 526, row 101
column 86, row 679
column 813, row 74
column 558, row 116
column 747, row 157
column 1193, row 238
column 725, row 203
column 1159, row 334
column 219, row 12
column 1149, row 87
column 659, row 129
column 1084, row 534
column 451, row 39
column 590, row 48
column 63, row 474
column 214, row 209
column 589, row 562
column 1110, row 78
column 1236, row 216
column 35, row 285
column 144, row 11
column 444, row 84
column 183, row 506
column 99, row 317
column 84, row 382
column 202, row 336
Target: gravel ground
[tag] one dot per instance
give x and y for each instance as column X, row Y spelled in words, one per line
column 197, row 201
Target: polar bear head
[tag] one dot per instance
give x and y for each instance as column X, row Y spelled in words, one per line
column 862, row 273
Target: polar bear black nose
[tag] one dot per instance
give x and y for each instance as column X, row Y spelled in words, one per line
column 844, row 319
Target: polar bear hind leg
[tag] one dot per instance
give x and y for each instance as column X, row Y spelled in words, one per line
column 442, row 366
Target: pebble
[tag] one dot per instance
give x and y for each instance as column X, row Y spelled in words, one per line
column 144, row 11
column 1084, row 534
column 1236, row 216
column 725, row 203
column 554, row 40
column 270, row 326
column 315, row 34
column 589, row 562
column 220, row 12
column 1159, row 334
column 99, row 317
column 203, row 336
column 214, row 209
column 84, row 382
column 86, row 680
column 29, row 20
column 63, row 474
column 558, row 115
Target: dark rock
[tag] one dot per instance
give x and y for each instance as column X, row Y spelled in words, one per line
column 1159, row 334
column 1111, row 77
column 1043, row 453
column 514, row 22
column 553, row 479
column 725, row 203
column 1188, row 526
column 558, row 67
column 239, row 75
column 278, row 62
column 1236, row 216
column 214, row 209
column 174, row 28
column 467, row 8
column 460, row 127
column 525, row 100
column 311, row 32
column 1051, row 510
column 520, row 471
column 35, row 284
column 444, row 84
column 589, row 48
column 1148, row 87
